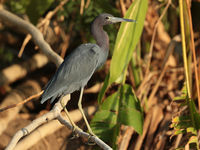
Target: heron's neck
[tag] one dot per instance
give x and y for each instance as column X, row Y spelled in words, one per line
column 100, row 36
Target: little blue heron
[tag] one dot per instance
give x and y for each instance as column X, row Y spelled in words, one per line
column 78, row 67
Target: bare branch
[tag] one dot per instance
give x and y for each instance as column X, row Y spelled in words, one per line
column 55, row 113
column 86, row 135
column 50, row 128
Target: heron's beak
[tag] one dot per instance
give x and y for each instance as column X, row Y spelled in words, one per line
column 116, row 19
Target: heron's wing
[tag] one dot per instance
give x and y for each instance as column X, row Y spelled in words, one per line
column 74, row 72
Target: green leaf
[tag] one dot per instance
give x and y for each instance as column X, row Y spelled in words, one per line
column 195, row 117
column 122, row 107
column 181, row 122
column 18, row 6
column 104, row 122
column 183, row 95
column 180, row 98
column 127, row 39
column 136, row 67
column 194, row 142
column 103, row 90
column 130, row 112
column 179, row 132
column 191, row 130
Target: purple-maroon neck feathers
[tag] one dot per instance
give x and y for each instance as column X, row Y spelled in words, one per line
column 99, row 34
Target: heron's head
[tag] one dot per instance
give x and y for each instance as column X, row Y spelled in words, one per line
column 105, row 19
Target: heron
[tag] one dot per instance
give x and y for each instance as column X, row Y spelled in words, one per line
column 78, row 67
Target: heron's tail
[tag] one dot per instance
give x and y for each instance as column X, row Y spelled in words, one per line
column 47, row 93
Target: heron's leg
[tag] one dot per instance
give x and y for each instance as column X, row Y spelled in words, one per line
column 81, row 110
column 70, row 120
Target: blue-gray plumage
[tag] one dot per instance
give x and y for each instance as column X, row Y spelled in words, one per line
column 72, row 73
column 77, row 68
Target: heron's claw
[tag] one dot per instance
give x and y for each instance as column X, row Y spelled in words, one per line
column 75, row 135
column 90, row 141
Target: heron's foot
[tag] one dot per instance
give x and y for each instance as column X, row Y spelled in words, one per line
column 90, row 141
column 75, row 135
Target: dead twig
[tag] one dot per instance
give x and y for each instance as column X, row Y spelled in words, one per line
column 26, row 40
column 87, row 4
column 126, row 138
column 154, row 35
column 193, row 52
column 23, row 102
column 164, row 68
column 123, row 8
column 82, row 7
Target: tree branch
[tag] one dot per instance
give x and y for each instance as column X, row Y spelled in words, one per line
column 53, row 114
column 28, row 28
column 94, row 139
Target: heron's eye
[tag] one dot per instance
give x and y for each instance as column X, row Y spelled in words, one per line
column 107, row 18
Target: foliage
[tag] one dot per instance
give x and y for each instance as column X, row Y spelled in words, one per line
column 127, row 39
column 6, row 56
column 122, row 107
column 187, row 124
column 33, row 8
